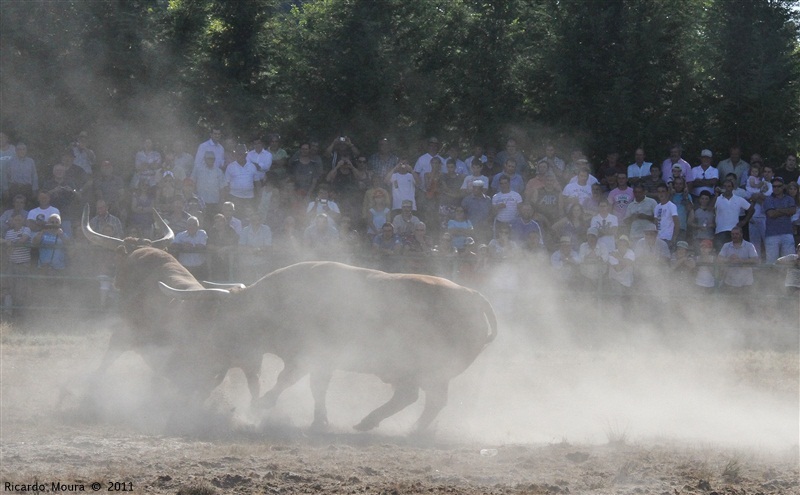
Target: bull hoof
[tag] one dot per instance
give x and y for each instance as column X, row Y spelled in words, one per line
column 365, row 425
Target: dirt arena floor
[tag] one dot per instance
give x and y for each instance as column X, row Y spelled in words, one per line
column 529, row 417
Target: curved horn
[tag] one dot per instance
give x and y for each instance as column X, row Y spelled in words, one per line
column 168, row 234
column 192, row 294
column 215, row 285
column 95, row 238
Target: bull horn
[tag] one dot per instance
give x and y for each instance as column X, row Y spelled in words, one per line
column 192, row 294
column 215, row 285
column 168, row 234
column 95, row 238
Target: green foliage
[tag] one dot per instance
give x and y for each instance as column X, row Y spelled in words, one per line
column 600, row 75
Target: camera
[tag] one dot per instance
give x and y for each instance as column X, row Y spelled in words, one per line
column 343, row 139
column 323, row 201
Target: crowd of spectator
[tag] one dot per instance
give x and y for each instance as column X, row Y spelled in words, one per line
column 239, row 210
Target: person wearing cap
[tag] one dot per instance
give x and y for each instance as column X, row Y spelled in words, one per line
column 639, row 169
column 734, row 164
column 423, row 165
column 779, row 208
column 592, row 256
column 381, row 162
column 620, row 264
column 738, row 256
column 210, row 185
column 705, row 176
column 52, row 243
column 673, row 160
column 213, row 145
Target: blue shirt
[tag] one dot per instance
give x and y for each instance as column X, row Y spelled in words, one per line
column 783, row 224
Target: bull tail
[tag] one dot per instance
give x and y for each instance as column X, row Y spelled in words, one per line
column 488, row 312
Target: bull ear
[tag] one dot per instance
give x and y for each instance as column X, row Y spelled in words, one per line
column 193, row 294
column 168, row 234
column 95, row 238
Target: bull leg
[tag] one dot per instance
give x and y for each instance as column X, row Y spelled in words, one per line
column 435, row 400
column 288, row 376
column 320, row 379
column 405, row 394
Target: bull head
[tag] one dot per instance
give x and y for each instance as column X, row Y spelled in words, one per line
column 112, row 242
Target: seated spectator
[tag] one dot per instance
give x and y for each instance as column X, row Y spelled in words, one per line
column 651, row 182
column 591, row 205
column 321, row 238
column 16, row 246
column 460, row 229
column 65, row 195
column 166, row 192
column 502, row 247
column 18, row 208
column 573, row 225
column 109, row 186
column 620, row 266
column 269, row 205
column 323, row 204
column 419, row 242
column 405, row 222
column 524, row 225
column 141, row 211
column 606, row 224
column 386, row 243
column 38, row 216
column 103, row 218
column 565, row 261
column 375, row 189
column 593, row 257
column 704, row 275
column 189, row 247
column 228, row 210
column 738, row 256
column 177, row 217
column 682, row 263
column 652, row 254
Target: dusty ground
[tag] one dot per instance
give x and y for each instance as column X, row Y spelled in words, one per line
column 736, row 432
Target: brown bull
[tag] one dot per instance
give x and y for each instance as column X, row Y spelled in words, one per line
column 172, row 336
column 412, row 331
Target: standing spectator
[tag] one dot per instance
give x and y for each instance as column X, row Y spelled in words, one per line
column 221, row 247
column 190, row 248
column 608, row 170
column 255, row 246
column 260, row 157
column 620, row 197
column 703, row 221
column 7, row 152
column 592, row 257
column 65, row 194
column 515, row 179
column 572, row 225
column 177, row 218
column 565, row 261
column 639, row 169
column 323, row 204
column 452, row 154
column 148, row 162
column 141, row 210
column 459, row 228
column 666, row 217
column 555, row 164
column 228, row 210
column 403, row 185
column 386, row 245
column 579, row 191
column 103, row 218
column 21, row 174
column 728, row 207
column 652, row 255
column 705, row 176
column 734, row 164
column 166, row 192
column 789, row 170
column 675, row 160
column 652, row 181
column 477, row 156
column 502, row 246
column 737, row 256
column 639, row 214
column 379, row 213
column 305, row 171
column 537, row 181
column 183, row 161
column 683, row 201
column 82, row 155
column 478, row 207
column 280, row 158
column 341, row 148
column 704, row 276
column 505, row 202
column 779, row 209
column 450, row 186
column 16, row 245
column 345, row 181
column 269, row 205
column 476, row 174
column 383, row 161
column 547, row 201
column 511, row 152
column 210, row 184
column 524, row 225
column 18, row 208
column 243, row 186
column 423, row 164
column 321, row 238
column 214, row 146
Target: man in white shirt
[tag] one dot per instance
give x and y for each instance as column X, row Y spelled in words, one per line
column 666, row 215
column 423, row 165
column 213, row 145
column 704, row 176
column 242, row 183
column 260, row 157
column 728, row 208
column 639, row 169
column 505, row 203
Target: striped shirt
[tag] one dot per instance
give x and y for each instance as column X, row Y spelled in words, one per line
column 19, row 254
